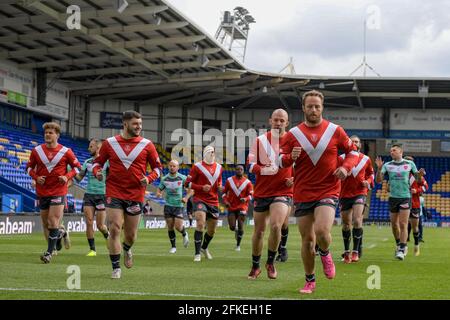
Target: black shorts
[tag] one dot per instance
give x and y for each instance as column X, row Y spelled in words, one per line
column 238, row 213
column 348, row 203
column 414, row 213
column 94, row 200
column 44, row 203
column 306, row 208
column 263, row 204
column 211, row 211
column 397, row 204
column 131, row 208
column 173, row 212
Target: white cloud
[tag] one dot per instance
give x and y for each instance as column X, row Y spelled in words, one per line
column 326, row 36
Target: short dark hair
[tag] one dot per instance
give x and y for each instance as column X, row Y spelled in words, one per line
column 130, row 114
column 396, row 145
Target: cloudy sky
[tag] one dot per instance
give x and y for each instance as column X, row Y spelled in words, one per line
column 325, row 37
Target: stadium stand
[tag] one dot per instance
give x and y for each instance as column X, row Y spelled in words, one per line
column 437, row 199
column 16, row 145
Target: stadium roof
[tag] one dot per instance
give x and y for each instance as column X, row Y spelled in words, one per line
column 152, row 53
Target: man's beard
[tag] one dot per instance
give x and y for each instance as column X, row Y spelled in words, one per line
column 313, row 119
column 132, row 133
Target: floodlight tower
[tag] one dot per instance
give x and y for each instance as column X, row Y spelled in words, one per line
column 233, row 31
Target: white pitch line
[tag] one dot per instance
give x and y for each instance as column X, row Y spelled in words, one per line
column 144, row 294
column 385, row 239
column 372, row 246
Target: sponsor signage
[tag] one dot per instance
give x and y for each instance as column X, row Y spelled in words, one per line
column 413, row 146
column 17, row 98
column 17, row 225
column 111, row 120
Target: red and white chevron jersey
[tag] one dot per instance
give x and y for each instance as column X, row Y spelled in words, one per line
column 420, row 188
column 266, row 152
column 128, row 159
column 353, row 186
column 318, row 160
column 52, row 163
column 201, row 174
column 236, row 189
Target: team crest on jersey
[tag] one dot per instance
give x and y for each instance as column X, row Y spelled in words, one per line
column 179, row 183
column 405, row 167
column 134, row 209
column 51, row 154
column 127, row 148
column 314, row 137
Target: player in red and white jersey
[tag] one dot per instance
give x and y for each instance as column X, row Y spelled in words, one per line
column 417, row 189
column 237, row 194
column 352, row 201
column 205, row 178
column 273, row 192
column 313, row 145
column 129, row 155
column 48, row 167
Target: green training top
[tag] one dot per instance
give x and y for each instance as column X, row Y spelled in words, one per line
column 398, row 173
column 174, row 186
column 94, row 186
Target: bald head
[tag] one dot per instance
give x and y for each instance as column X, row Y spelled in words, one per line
column 280, row 113
column 279, row 121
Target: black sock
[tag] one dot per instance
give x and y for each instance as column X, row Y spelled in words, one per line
column 91, row 244
column 52, row 238
column 397, row 242
column 183, row 232
column 190, row 222
column 323, row 253
column 402, row 247
column 255, row 261
column 416, row 238
column 346, row 236
column 271, row 256
column 198, row 235
column 126, row 247
column 284, row 238
column 357, row 236
column 115, row 261
column 172, row 238
column 310, row 277
column 206, row 239
column 420, row 228
column 240, row 234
